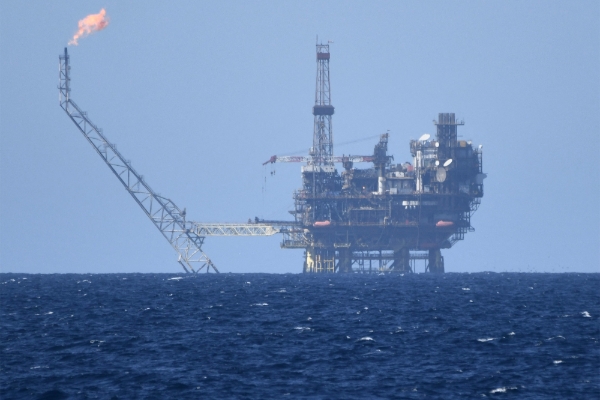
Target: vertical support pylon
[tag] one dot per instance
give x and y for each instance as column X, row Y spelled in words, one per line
column 402, row 261
column 319, row 261
column 436, row 261
column 322, row 150
column 344, row 260
column 309, row 262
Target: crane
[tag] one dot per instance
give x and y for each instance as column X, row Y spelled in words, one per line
column 186, row 237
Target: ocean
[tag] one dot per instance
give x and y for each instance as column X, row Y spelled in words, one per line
column 257, row 336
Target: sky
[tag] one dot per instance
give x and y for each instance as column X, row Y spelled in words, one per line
column 198, row 94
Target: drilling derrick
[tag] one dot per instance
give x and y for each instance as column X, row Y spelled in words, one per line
column 322, row 149
column 319, row 176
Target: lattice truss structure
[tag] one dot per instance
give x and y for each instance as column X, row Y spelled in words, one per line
column 186, row 237
column 322, row 150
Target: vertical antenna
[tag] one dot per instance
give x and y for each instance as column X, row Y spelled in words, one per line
column 322, row 150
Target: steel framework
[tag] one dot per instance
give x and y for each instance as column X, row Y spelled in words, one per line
column 379, row 219
column 186, row 237
column 388, row 217
column 216, row 229
column 322, row 149
column 334, row 159
column 164, row 214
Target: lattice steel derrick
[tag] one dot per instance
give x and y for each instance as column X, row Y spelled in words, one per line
column 322, row 150
column 164, row 214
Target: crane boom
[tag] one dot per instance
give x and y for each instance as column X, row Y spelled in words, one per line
column 166, row 216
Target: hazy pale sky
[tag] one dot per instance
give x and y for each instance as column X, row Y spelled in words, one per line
column 199, row 94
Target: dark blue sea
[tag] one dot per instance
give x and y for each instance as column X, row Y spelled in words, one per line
column 257, row 336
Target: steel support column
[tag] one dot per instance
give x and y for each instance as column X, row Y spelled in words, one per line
column 436, row 261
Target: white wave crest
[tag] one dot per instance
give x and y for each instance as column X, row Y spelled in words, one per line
column 503, row 389
column 302, row 328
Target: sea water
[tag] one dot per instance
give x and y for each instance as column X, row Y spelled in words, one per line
column 482, row 335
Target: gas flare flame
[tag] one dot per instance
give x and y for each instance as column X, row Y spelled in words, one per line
column 90, row 24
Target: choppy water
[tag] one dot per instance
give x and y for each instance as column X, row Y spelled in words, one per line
column 525, row 336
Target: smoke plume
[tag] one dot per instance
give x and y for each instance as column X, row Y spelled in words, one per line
column 90, row 24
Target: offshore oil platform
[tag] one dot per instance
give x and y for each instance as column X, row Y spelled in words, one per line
column 384, row 218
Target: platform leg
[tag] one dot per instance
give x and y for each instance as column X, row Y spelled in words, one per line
column 344, row 260
column 402, row 261
column 310, row 262
column 436, row 261
column 319, row 260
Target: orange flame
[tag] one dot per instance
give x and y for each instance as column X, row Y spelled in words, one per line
column 90, row 24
